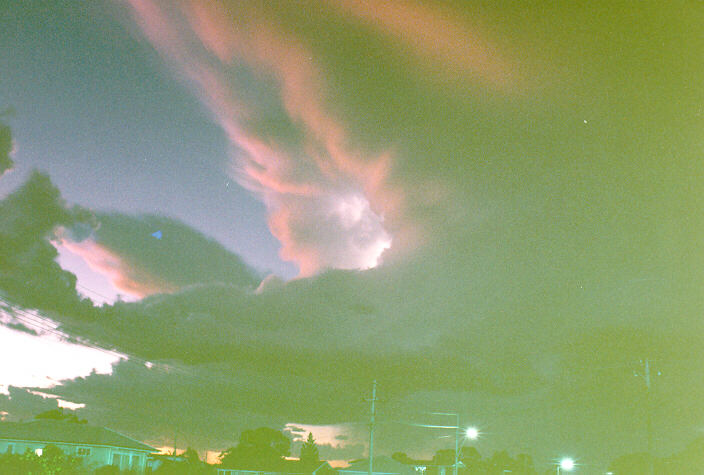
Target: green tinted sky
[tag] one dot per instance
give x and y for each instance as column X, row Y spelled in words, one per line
column 529, row 177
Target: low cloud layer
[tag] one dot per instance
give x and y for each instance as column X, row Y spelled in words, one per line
column 440, row 331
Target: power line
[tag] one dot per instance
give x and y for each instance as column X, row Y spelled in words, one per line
column 93, row 292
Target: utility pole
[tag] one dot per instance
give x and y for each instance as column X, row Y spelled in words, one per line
column 457, row 444
column 649, row 423
column 371, row 431
column 648, row 410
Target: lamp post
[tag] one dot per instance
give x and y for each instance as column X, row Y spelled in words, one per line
column 469, row 433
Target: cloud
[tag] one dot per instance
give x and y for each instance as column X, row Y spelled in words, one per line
column 305, row 167
column 123, row 276
column 493, row 323
column 120, row 247
column 438, row 39
column 335, row 442
column 123, row 249
column 41, row 356
column 6, row 148
column 29, row 273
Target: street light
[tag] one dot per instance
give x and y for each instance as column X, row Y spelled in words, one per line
column 566, row 464
column 471, row 433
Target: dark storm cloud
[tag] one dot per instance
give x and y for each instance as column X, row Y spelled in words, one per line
column 496, row 322
column 205, row 406
column 24, row 405
column 557, row 248
column 306, row 351
column 125, row 249
column 29, row 273
column 182, row 256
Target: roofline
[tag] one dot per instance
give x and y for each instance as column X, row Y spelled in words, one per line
column 76, row 443
column 363, row 471
column 127, row 436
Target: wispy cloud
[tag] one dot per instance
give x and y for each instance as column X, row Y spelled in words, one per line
column 306, row 168
column 437, row 39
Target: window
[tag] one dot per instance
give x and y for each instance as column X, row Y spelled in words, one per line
column 124, row 461
column 83, row 451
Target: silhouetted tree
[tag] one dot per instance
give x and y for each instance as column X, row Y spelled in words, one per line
column 191, row 456
column 402, row 457
column 500, row 462
column 258, row 449
column 188, row 463
column 60, row 415
column 632, row 464
column 472, row 459
column 525, row 464
column 52, row 461
column 310, row 458
column 444, row 457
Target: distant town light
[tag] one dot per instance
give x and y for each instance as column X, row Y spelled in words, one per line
column 472, row 433
column 567, row 464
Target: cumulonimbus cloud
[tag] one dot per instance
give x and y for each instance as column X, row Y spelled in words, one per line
column 330, row 205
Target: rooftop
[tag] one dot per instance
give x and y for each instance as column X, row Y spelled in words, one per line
column 68, row 432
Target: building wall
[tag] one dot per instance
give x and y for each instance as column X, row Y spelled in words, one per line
column 94, row 456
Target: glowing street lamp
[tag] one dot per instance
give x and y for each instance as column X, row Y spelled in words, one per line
column 471, row 433
column 566, row 464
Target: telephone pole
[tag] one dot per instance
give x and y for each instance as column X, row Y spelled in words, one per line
column 457, row 445
column 371, row 431
column 649, row 422
column 648, row 411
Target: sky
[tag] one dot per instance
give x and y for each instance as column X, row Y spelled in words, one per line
column 490, row 208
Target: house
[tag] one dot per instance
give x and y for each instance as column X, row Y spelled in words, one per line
column 381, row 465
column 98, row 446
column 289, row 467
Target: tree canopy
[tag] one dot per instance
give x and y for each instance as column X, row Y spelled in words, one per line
column 60, row 415
column 310, row 458
column 258, row 449
column 52, row 461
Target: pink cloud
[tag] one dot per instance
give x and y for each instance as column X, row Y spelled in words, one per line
column 299, row 183
column 281, row 226
column 123, row 276
column 436, row 37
